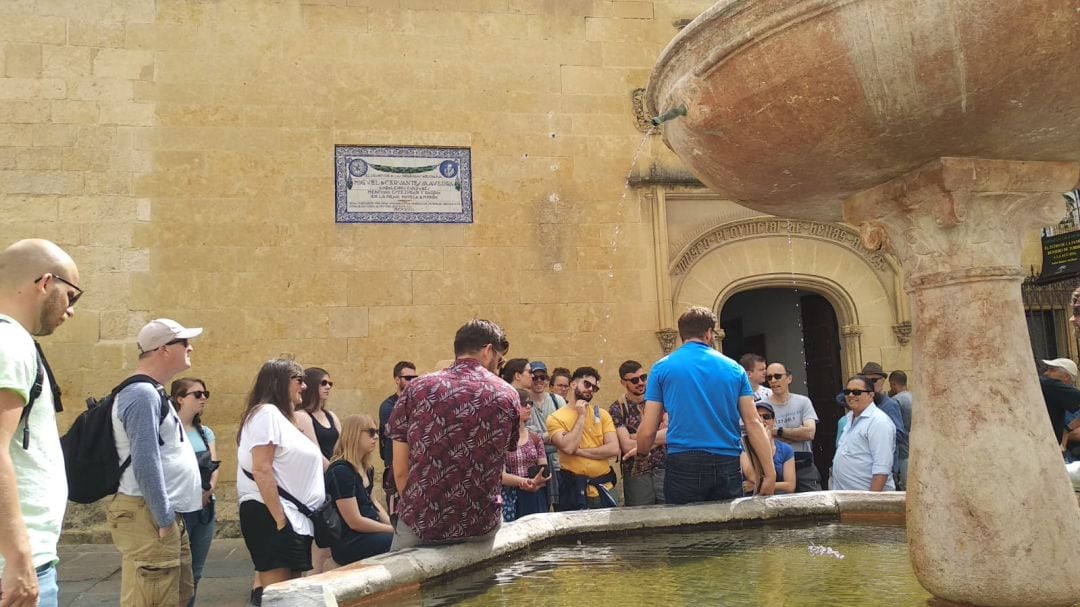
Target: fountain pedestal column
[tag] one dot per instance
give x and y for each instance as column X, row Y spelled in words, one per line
column 991, row 516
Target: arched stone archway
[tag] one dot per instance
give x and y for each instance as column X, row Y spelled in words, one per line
column 827, row 259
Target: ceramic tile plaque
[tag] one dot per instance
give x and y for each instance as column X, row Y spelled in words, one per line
column 400, row 184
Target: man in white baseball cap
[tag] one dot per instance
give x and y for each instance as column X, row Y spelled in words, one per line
column 161, row 332
column 162, row 480
column 1059, row 391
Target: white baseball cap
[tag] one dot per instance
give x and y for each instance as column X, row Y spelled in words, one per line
column 161, row 331
column 1065, row 364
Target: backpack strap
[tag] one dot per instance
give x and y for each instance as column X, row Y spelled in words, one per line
column 35, row 392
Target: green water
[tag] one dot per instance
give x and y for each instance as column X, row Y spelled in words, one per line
column 730, row 566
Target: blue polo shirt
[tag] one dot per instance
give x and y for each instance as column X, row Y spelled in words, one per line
column 700, row 389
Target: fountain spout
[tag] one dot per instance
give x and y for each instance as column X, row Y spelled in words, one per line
column 675, row 112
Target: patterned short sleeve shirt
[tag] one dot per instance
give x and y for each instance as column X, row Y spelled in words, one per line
column 628, row 415
column 459, row 424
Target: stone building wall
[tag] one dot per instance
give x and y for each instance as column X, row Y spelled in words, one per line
column 182, row 151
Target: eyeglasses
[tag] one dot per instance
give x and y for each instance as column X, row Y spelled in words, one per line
column 326, row 383
column 589, row 385
column 177, row 341
column 857, row 392
column 199, row 394
column 637, row 380
column 539, row 377
column 372, row 432
column 527, row 403
column 776, row 376
column 299, row 378
column 766, row 416
column 407, row 377
column 72, row 299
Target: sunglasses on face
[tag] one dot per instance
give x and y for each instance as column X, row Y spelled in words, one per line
column 407, row 377
column 326, row 383
column 588, row 385
column 776, row 376
column 299, row 378
column 766, row 416
column 177, row 341
column 72, row 298
column 638, row 380
column 199, row 394
column 539, row 377
column 372, row 432
column 857, row 392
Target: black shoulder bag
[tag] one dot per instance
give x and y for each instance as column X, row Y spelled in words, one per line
column 327, row 520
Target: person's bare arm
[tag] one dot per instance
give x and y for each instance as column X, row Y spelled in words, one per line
column 627, row 441
column 568, row 442
column 759, row 442
column 262, row 468
column 608, row 450
column 804, row 432
column 649, row 426
column 19, row 581
column 878, row 482
column 401, row 466
column 350, row 513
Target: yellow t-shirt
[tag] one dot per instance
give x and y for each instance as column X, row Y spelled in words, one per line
column 591, row 436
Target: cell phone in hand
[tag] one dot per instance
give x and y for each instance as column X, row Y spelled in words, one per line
column 541, row 470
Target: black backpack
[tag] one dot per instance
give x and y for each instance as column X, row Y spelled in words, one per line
column 90, row 457
column 35, row 392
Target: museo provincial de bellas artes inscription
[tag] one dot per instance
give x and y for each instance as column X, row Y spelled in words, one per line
column 402, row 184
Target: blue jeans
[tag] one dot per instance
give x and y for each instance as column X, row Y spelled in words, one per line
column 200, row 529
column 696, row 476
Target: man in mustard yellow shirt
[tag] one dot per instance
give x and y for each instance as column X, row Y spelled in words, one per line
column 585, row 436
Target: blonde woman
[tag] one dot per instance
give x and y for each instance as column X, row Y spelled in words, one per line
column 349, row 481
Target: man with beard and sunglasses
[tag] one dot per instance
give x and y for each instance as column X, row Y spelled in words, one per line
column 585, row 436
column 38, row 291
column 642, row 477
column 404, row 372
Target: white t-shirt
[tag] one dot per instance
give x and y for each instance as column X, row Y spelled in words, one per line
column 298, row 464
column 792, row 415
column 39, row 470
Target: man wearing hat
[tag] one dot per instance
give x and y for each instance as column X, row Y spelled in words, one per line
column 544, row 404
column 1059, row 391
column 163, row 478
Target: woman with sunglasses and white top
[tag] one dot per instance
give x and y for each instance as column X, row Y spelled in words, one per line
column 189, row 397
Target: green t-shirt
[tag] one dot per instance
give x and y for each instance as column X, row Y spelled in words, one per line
column 39, row 470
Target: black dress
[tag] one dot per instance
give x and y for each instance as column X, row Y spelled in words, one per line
column 343, row 482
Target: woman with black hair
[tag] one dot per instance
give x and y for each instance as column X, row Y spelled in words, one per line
column 323, row 427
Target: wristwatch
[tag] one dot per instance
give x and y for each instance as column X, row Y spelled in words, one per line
column 780, row 432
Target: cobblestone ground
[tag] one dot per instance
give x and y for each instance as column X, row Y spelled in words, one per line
column 90, row 575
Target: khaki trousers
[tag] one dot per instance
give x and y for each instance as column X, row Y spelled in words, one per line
column 156, row 572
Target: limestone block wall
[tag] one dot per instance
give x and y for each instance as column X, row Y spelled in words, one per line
column 182, row 151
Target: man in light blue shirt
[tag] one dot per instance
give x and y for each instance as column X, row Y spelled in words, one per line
column 864, row 457
column 705, row 394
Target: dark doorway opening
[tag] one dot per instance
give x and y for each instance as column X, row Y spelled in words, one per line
column 767, row 322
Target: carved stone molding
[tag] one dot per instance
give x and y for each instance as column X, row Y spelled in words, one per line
column 668, row 338
column 642, row 119
column 718, row 339
column 843, row 235
column 851, row 330
column 903, row 332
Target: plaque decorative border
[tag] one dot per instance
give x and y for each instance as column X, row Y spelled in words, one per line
column 437, row 165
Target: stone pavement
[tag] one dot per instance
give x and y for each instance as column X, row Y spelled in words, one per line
column 90, row 575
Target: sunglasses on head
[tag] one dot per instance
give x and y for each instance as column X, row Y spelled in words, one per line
column 197, row 393
column 639, row 379
column 857, row 392
column 776, row 376
column 327, row 383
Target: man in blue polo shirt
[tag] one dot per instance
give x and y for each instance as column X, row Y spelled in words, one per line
column 704, row 394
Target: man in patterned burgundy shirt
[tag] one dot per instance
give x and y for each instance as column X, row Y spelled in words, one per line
column 451, row 431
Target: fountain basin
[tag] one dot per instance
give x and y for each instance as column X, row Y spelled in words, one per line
column 374, row 579
column 794, row 105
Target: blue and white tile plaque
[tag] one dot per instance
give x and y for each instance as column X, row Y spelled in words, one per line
column 401, row 184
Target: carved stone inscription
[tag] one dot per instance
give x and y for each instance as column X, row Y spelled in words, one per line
column 749, row 228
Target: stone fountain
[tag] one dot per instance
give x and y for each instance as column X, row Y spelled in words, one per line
column 945, row 130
